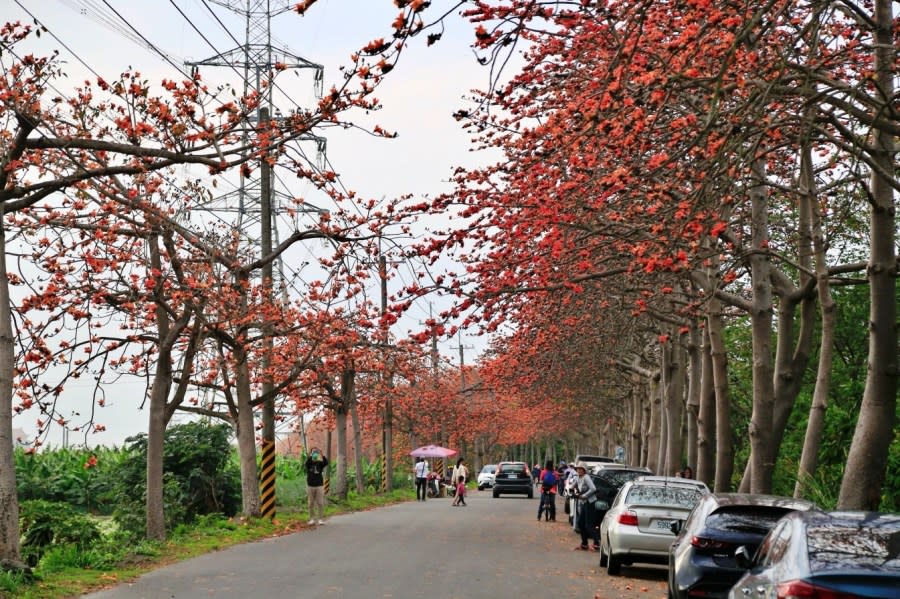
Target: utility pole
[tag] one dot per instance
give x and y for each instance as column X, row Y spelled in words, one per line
column 463, row 392
column 257, row 59
column 387, row 480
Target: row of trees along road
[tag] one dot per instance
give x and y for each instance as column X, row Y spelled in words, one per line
column 105, row 277
column 668, row 169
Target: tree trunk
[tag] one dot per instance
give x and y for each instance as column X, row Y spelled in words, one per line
column 867, row 462
column 761, row 417
column 357, row 445
column 246, row 440
column 10, row 548
column 156, row 429
column 719, row 358
column 816, row 424
column 339, row 487
column 646, row 417
column 654, row 426
column 674, row 406
column 695, row 359
column 637, row 412
column 706, row 418
column 156, row 432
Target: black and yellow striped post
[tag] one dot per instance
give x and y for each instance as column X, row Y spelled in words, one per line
column 384, row 473
column 326, row 486
column 267, row 480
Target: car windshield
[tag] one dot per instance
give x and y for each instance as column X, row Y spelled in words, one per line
column 488, row 469
column 513, row 468
column 745, row 518
column 662, row 495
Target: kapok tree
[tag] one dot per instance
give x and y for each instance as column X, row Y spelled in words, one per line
column 53, row 144
column 655, row 133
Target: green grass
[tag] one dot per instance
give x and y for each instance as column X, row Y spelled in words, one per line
column 64, row 572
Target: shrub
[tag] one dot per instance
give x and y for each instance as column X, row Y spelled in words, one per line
column 46, row 524
column 199, row 476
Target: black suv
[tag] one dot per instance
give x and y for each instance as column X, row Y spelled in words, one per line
column 513, row 477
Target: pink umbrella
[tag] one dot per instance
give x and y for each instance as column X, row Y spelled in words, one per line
column 432, row 451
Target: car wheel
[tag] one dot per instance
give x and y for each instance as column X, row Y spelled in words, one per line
column 531, row 495
column 480, row 487
column 495, row 494
column 613, row 565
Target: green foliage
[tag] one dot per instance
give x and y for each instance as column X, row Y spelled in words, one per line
column 46, row 524
column 200, row 477
column 80, row 477
column 848, row 380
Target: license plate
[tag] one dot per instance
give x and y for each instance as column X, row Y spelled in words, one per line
column 663, row 524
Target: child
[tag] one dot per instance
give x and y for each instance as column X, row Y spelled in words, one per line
column 460, row 496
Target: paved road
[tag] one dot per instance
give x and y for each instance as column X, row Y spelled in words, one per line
column 491, row 548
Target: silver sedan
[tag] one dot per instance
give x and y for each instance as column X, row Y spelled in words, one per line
column 638, row 525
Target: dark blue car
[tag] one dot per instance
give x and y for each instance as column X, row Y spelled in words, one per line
column 701, row 559
column 834, row 555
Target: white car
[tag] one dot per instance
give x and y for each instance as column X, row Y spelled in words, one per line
column 638, row 525
column 486, row 476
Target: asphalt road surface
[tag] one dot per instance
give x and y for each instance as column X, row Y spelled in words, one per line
column 431, row 550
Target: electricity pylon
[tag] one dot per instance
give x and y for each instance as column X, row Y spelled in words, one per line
column 255, row 201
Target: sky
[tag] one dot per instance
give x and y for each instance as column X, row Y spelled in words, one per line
column 419, row 98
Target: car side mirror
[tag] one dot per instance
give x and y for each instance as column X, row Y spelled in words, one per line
column 742, row 557
column 675, row 527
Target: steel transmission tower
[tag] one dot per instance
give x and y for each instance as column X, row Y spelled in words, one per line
column 256, row 60
column 255, row 201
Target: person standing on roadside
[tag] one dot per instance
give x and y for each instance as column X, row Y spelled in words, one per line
column 315, row 466
column 420, row 473
column 586, row 494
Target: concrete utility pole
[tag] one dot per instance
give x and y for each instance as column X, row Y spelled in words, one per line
column 255, row 201
column 387, row 478
column 464, row 393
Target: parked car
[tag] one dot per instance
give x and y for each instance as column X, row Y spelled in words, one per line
column 638, row 525
column 513, row 477
column 486, row 476
column 590, row 461
column 701, row 559
column 834, row 555
column 608, row 478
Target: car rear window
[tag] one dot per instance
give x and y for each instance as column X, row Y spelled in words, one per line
column 513, row 468
column 617, row 478
column 838, row 547
column 756, row 519
column 662, row 495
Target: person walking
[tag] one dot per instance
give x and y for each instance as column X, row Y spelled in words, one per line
column 586, row 494
column 420, row 473
column 315, row 466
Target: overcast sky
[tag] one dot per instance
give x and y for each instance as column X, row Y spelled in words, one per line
column 419, row 98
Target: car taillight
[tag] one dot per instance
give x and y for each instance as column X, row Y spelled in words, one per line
column 629, row 518
column 704, row 543
column 800, row 589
